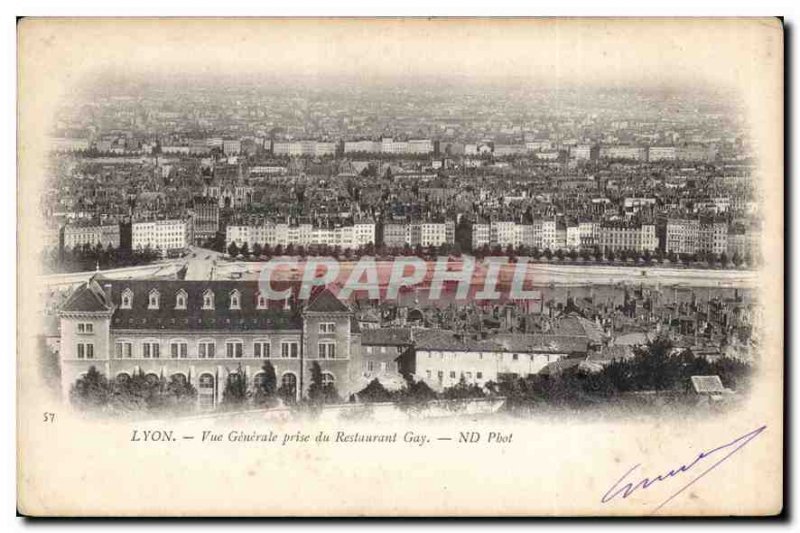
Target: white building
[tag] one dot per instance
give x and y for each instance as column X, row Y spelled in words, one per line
column 481, row 236
column 348, row 236
column 162, row 235
column 79, row 235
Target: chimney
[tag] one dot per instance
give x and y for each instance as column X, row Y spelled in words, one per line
column 107, row 291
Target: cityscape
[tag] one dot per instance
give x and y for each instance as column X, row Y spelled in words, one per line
column 634, row 213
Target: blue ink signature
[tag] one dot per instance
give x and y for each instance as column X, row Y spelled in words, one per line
column 629, row 488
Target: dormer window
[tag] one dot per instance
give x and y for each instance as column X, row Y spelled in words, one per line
column 180, row 299
column 127, row 299
column 208, row 299
column 235, row 300
column 261, row 302
column 153, row 299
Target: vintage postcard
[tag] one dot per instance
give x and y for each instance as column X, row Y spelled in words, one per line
column 400, row 267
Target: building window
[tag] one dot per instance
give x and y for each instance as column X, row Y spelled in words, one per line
column 369, row 349
column 179, row 350
column 327, row 379
column 85, row 351
column 440, row 375
column 85, row 327
column 124, row 350
column 208, row 299
column 370, row 366
column 180, row 300
column 515, row 357
column 234, row 349
column 327, row 327
column 289, row 384
column 289, row 350
column 127, row 299
column 479, row 375
column 327, row 350
column 150, row 350
column 153, row 299
column 452, row 375
column 428, row 374
column 235, row 300
column 261, row 349
column 262, row 301
column 206, row 349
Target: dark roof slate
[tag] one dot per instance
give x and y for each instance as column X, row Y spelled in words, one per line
column 326, row 302
column 387, row 337
column 194, row 317
column 88, row 297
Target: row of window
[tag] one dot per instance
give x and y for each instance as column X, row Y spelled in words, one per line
column 503, row 356
column 372, row 366
column 207, row 350
column 381, row 349
column 440, row 375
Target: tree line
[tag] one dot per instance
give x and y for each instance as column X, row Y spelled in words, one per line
column 87, row 257
column 656, row 367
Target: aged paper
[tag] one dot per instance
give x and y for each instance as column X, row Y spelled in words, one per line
column 243, row 244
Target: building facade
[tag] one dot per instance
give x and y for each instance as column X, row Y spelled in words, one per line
column 166, row 236
column 80, row 235
column 204, row 332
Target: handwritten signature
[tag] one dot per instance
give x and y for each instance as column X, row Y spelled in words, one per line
column 702, row 459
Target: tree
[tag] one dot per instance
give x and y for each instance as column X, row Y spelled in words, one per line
column 179, row 393
column 374, row 392
column 265, row 391
column 463, row 391
column 91, row 391
column 235, row 392
column 139, row 392
column 652, row 368
column 415, row 395
column 244, row 250
column 257, row 250
column 233, row 250
column 320, row 393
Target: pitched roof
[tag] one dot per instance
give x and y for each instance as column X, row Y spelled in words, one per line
column 194, row 317
column 88, row 297
column 326, row 302
column 435, row 339
column 387, row 336
column 518, row 342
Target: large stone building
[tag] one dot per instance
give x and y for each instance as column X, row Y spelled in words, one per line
column 205, row 218
column 81, row 234
column 444, row 358
column 166, row 236
column 203, row 331
column 617, row 236
column 347, row 235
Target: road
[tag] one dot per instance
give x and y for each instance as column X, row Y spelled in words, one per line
column 203, row 264
column 542, row 274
